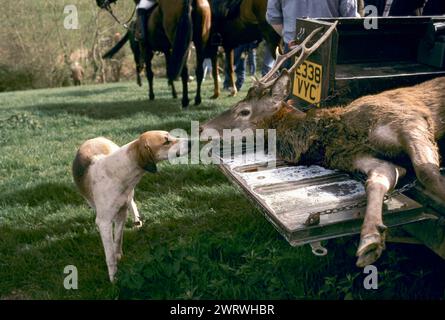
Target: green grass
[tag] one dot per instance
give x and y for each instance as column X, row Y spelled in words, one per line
column 201, row 238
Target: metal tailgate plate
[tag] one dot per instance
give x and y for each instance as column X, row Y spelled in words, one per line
column 287, row 194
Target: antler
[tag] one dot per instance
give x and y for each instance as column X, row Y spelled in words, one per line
column 267, row 80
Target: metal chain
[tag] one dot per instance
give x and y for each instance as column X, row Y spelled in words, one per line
column 333, row 95
column 314, row 217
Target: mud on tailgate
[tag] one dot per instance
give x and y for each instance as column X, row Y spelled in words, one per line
column 308, row 204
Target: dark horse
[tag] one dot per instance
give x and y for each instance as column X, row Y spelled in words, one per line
column 236, row 22
column 172, row 25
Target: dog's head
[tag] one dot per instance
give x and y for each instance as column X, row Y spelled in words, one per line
column 155, row 146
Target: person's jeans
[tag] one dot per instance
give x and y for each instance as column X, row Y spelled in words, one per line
column 251, row 59
column 288, row 63
column 268, row 61
column 207, row 66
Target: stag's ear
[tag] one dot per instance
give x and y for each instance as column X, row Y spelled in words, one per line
column 281, row 87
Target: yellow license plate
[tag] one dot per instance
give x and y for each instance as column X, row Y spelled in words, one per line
column 307, row 82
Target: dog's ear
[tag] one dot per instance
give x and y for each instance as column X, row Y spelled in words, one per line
column 149, row 159
column 145, row 156
column 151, row 167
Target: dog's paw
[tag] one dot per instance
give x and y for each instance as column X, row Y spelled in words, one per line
column 137, row 224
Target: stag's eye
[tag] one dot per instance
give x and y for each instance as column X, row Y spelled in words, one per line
column 244, row 113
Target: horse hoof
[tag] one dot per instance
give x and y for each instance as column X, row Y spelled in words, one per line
column 370, row 249
column 185, row 103
column 215, row 96
column 151, row 97
column 197, row 101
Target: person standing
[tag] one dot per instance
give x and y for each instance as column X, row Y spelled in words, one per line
column 143, row 11
column 281, row 14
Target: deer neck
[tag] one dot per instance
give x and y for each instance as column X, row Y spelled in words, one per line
column 303, row 138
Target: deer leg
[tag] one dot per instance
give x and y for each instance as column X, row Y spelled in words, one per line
column 215, row 75
column 424, row 155
column 230, row 60
column 382, row 177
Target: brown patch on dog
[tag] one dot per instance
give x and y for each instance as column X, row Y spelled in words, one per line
column 84, row 157
column 144, row 149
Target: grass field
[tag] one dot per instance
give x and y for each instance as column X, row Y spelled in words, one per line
column 201, row 237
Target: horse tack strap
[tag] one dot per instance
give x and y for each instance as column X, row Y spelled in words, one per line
column 125, row 25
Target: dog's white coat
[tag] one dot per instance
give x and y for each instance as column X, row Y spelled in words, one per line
column 109, row 181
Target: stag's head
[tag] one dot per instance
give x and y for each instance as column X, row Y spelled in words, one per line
column 265, row 97
column 260, row 102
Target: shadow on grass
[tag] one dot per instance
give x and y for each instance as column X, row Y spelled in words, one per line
column 109, row 110
column 57, row 193
column 161, row 125
column 83, row 92
column 231, row 252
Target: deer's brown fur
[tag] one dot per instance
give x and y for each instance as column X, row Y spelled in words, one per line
column 367, row 136
column 334, row 137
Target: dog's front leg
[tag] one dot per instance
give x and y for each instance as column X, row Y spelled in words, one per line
column 137, row 223
column 382, row 177
column 106, row 233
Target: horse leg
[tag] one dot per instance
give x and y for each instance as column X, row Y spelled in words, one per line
column 215, row 75
column 230, row 60
column 382, row 177
column 185, row 80
column 136, row 50
column 422, row 149
column 149, row 73
column 199, row 74
column 201, row 34
column 171, row 83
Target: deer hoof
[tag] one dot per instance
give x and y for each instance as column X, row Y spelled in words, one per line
column 215, row 96
column 370, row 249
